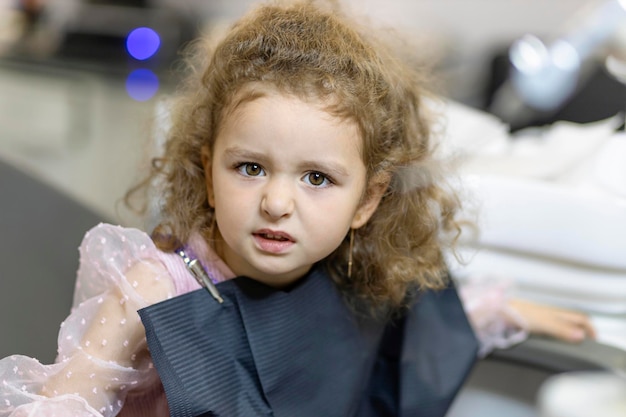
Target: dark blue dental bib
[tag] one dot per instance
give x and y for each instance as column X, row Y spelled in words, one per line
column 305, row 353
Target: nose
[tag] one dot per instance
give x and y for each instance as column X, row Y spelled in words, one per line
column 278, row 198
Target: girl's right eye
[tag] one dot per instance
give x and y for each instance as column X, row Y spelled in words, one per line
column 250, row 169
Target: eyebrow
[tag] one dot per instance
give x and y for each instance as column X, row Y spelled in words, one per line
column 327, row 167
column 239, row 153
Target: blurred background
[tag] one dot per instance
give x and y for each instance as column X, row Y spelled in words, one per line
column 80, row 79
column 534, row 99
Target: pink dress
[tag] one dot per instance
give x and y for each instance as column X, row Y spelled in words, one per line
column 103, row 368
column 85, row 384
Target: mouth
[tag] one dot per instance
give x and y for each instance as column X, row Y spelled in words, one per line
column 272, row 235
column 273, row 241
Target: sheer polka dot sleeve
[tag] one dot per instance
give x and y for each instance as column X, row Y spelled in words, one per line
column 496, row 325
column 102, row 353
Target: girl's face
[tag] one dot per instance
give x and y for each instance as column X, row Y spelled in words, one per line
column 286, row 180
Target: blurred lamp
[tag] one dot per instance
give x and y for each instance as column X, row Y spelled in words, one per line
column 142, row 84
column 142, row 43
column 545, row 75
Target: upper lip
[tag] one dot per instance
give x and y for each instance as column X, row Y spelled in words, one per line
column 275, row 234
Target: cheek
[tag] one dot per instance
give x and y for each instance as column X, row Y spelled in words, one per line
column 218, row 187
column 229, row 219
column 332, row 217
column 232, row 206
column 326, row 235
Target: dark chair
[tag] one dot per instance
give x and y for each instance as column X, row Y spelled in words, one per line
column 40, row 229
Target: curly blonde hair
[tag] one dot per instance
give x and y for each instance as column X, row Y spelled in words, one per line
column 314, row 52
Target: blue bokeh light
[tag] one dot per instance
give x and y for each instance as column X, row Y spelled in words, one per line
column 142, row 84
column 142, row 43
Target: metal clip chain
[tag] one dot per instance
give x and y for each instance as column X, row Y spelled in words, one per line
column 200, row 275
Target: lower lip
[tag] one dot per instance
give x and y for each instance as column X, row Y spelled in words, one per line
column 271, row 245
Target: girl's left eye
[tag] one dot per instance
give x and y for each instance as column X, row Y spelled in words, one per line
column 317, row 179
column 251, row 169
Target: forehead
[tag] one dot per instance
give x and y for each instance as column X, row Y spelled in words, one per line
column 269, row 119
column 254, row 90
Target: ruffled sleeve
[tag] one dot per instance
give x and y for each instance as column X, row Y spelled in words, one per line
column 496, row 324
column 102, row 353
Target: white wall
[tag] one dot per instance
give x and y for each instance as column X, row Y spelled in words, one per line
column 469, row 30
column 466, row 31
column 475, row 22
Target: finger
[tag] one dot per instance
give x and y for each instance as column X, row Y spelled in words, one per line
column 565, row 330
column 568, row 324
column 582, row 321
column 557, row 322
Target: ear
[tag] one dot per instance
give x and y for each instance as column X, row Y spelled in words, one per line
column 208, row 175
column 375, row 191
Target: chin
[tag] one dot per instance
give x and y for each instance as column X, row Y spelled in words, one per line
column 279, row 279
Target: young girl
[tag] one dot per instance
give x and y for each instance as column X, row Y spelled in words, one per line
column 301, row 144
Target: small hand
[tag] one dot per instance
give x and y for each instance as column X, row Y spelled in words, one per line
column 563, row 324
